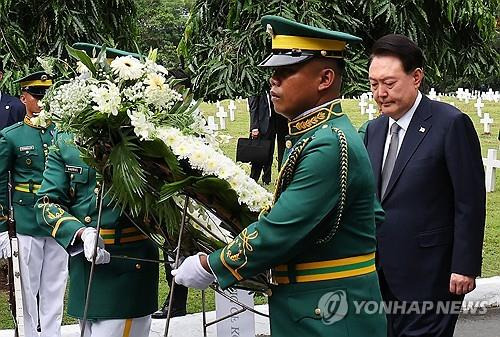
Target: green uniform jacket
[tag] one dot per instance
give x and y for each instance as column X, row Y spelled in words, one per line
column 67, row 202
column 318, row 282
column 23, row 151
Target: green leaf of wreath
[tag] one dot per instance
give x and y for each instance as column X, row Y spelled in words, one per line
column 82, row 57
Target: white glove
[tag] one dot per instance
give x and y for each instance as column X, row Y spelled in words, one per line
column 89, row 235
column 4, row 245
column 191, row 273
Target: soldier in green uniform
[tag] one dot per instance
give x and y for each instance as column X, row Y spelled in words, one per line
column 43, row 263
column 319, row 236
column 124, row 292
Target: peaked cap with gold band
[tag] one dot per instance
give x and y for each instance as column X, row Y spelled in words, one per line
column 294, row 42
column 93, row 50
column 35, row 84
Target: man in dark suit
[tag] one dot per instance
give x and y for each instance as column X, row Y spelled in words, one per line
column 426, row 159
column 265, row 123
column 11, row 108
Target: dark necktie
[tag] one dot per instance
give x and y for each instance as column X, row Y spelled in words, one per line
column 390, row 159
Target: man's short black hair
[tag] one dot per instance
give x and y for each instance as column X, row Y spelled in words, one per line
column 403, row 48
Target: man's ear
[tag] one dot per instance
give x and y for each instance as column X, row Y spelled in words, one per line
column 418, row 76
column 23, row 98
column 327, row 79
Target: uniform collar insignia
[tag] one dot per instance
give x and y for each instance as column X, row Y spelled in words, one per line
column 314, row 118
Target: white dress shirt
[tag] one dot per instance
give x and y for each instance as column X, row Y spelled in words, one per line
column 403, row 123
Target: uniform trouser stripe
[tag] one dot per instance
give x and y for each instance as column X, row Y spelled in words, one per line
column 128, row 326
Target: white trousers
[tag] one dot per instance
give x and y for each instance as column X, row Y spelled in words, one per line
column 132, row 327
column 44, row 271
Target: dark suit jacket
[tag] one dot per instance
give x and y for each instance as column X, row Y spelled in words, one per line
column 434, row 203
column 259, row 113
column 11, row 110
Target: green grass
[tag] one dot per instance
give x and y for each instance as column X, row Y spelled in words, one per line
column 240, row 128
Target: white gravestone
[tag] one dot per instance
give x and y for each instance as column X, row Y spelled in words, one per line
column 432, row 94
column 487, row 121
column 491, row 163
column 371, row 112
column 496, row 97
column 211, row 123
column 460, row 94
column 467, row 96
column 222, row 114
column 240, row 325
column 231, row 108
column 479, row 105
column 370, row 95
column 490, row 95
column 363, row 104
column 217, row 105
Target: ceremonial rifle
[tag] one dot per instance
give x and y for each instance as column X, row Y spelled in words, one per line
column 15, row 294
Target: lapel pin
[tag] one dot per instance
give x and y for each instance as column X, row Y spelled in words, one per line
column 422, row 129
column 7, row 107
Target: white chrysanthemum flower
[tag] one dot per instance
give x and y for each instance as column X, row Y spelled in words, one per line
column 142, row 127
column 159, row 93
column 107, row 97
column 127, row 68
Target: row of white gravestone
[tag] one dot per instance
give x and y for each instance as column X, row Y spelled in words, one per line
column 221, row 114
column 466, row 95
column 486, row 120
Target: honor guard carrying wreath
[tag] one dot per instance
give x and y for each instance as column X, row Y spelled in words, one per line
column 24, row 148
column 319, row 236
column 124, row 292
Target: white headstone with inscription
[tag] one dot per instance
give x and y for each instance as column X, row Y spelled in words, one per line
column 240, row 325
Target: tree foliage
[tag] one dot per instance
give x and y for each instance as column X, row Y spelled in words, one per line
column 38, row 28
column 161, row 25
column 224, row 41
